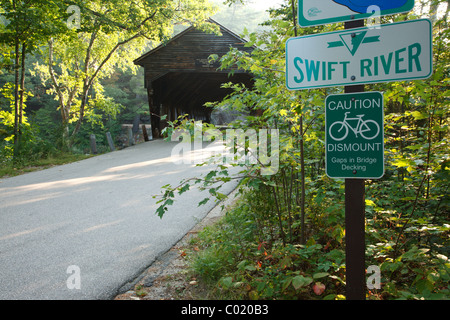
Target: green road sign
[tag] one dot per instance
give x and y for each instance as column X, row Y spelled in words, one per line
column 354, row 135
column 395, row 52
column 317, row 12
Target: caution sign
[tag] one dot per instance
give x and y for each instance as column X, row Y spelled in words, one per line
column 355, row 135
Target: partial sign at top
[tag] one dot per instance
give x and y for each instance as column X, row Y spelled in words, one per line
column 317, row 12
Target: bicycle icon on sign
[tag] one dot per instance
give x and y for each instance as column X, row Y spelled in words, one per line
column 368, row 129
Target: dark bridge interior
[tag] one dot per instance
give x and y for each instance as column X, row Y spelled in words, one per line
column 180, row 93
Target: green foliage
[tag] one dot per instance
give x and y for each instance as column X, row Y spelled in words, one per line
column 88, row 69
column 54, row 158
column 111, row 35
column 22, row 31
column 285, row 240
column 241, row 261
column 185, row 128
column 31, row 145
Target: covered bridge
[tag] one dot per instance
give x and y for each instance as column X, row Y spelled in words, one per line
column 180, row 79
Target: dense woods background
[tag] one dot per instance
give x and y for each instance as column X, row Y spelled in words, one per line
column 63, row 79
column 286, row 237
column 92, row 86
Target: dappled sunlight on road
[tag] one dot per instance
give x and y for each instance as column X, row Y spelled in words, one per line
column 107, row 186
column 103, row 225
column 32, row 231
column 21, row 233
column 55, row 185
column 36, row 199
column 138, row 165
column 29, row 193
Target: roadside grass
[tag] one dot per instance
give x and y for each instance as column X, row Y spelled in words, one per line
column 238, row 259
column 11, row 169
column 242, row 258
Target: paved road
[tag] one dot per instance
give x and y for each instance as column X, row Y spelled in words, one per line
column 96, row 215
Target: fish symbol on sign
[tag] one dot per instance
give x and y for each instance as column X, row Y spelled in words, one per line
column 361, row 6
column 313, row 12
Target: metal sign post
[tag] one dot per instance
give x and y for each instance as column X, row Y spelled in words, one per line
column 355, row 248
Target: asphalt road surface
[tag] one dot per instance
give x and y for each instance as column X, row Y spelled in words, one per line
column 86, row 229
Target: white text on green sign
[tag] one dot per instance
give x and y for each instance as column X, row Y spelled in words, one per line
column 354, row 138
column 395, row 52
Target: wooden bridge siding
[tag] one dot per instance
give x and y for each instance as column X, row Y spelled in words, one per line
column 179, row 77
column 185, row 53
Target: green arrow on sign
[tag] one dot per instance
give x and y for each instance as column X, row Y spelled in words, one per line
column 353, row 40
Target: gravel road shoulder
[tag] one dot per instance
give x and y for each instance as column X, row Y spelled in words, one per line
column 167, row 278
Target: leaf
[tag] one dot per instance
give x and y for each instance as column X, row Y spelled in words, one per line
column 401, row 163
column 301, row 281
column 286, row 284
column 204, row 201
column 226, row 282
column 210, row 175
column 221, row 196
column 283, row 113
column 241, row 265
column 419, row 115
column 320, row 275
column 160, row 211
column 184, row 188
column 424, row 285
column 318, row 288
column 285, row 262
column 250, row 268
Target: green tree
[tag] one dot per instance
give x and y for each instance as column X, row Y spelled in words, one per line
column 407, row 229
column 21, row 33
column 111, row 35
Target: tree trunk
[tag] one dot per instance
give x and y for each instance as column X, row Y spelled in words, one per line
column 89, row 81
column 65, row 109
column 16, row 98
column 302, row 154
column 82, row 107
column 22, row 91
